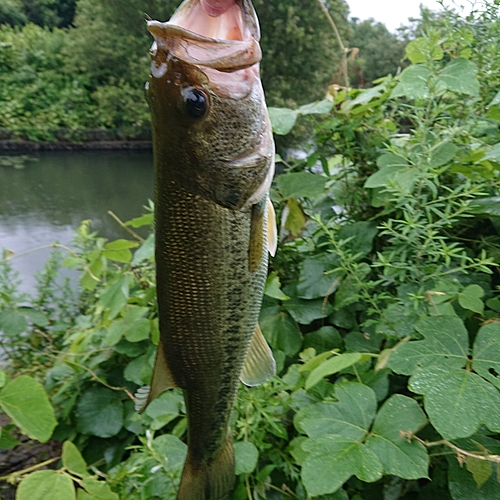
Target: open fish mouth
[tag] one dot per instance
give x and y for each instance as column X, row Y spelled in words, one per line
column 219, row 34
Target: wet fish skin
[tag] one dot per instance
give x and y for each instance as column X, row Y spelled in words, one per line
column 214, row 159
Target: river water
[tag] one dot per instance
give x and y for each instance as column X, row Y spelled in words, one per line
column 46, row 200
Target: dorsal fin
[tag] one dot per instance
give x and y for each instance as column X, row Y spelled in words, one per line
column 161, row 381
column 259, row 364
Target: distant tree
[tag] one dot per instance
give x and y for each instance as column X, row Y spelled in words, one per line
column 300, row 52
column 12, row 12
column 379, row 52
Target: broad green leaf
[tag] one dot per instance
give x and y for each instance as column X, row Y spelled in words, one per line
column 445, row 344
column 143, row 220
column 457, row 401
column 350, row 417
column 392, row 159
column 99, row 412
column 114, row 333
column 350, row 286
column 72, row 459
column 493, row 153
column 115, row 296
column 443, row 154
column 3, row 378
column 45, row 484
column 481, row 470
column 120, row 245
column 470, row 298
column 37, row 317
column 399, row 457
column 139, row 370
column 413, row 83
column 331, row 366
column 306, row 311
column 316, row 108
column 282, row 119
column 496, row 100
column 273, row 288
column 145, row 252
column 246, row 456
column 486, row 357
column 462, row 485
column 173, row 449
column 384, row 176
column 424, row 49
column 12, row 323
column 294, row 217
column 360, row 236
column 324, row 339
column 460, row 75
column 487, row 206
column 364, row 97
column 282, row 332
column 313, row 281
column 333, row 459
column 137, row 330
column 98, row 490
column 301, row 185
column 24, row 400
column 163, row 409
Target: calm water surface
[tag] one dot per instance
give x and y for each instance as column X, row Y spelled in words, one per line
column 46, row 200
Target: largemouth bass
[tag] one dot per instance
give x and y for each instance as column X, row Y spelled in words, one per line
column 214, row 224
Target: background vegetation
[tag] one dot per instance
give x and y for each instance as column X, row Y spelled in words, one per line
column 68, row 68
column 382, row 307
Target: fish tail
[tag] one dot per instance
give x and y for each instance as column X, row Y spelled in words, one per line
column 212, row 481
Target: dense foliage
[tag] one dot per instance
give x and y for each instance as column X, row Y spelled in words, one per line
column 382, row 307
column 59, row 84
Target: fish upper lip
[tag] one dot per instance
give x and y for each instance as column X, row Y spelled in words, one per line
column 224, row 54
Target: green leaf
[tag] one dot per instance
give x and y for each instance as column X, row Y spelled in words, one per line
column 333, row 459
column 399, row 457
column 446, row 344
column 460, row 75
column 163, row 409
column 115, row 296
column 306, row 311
column 481, row 470
column 301, row 185
column 12, row 323
column 246, row 456
column 470, row 298
column 145, row 252
column 26, row 403
column 324, row 339
column 3, row 378
column 331, row 366
column 119, row 250
column 486, row 357
column 316, row 108
column 294, row 217
column 45, row 484
column 72, row 459
column 282, row 332
column 99, row 412
column 98, row 490
column 424, row 49
column 137, row 330
column 487, row 206
column 457, row 401
column 443, row 154
column 143, row 220
column 351, row 417
column 36, row 317
column 173, row 449
column 273, row 288
column 313, row 282
column 282, row 119
column 413, row 83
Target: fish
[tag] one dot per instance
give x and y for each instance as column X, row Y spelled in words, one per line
column 214, row 224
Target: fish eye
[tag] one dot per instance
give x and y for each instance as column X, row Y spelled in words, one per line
column 196, row 102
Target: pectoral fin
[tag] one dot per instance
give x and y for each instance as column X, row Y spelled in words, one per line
column 272, row 231
column 259, row 364
column 256, row 244
column 161, row 381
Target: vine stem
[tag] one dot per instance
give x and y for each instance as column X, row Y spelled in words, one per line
column 339, row 41
column 11, row 478
column 487, row 457
column 122, row 224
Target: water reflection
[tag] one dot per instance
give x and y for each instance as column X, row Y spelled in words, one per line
column 47, row 199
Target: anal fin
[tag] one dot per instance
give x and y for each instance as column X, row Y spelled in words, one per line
column 259, row 364
column 161, row 381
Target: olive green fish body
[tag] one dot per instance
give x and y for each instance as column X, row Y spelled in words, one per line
column 214, row 159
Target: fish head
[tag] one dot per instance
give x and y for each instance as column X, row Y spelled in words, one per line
column 209, row 118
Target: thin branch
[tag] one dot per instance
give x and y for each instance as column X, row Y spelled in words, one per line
column 339, row 41
column 13, row 476
column 122, row 224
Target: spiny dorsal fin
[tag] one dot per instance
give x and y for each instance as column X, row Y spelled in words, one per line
column 259, row 364
column 272, row 231
column 161, row 381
